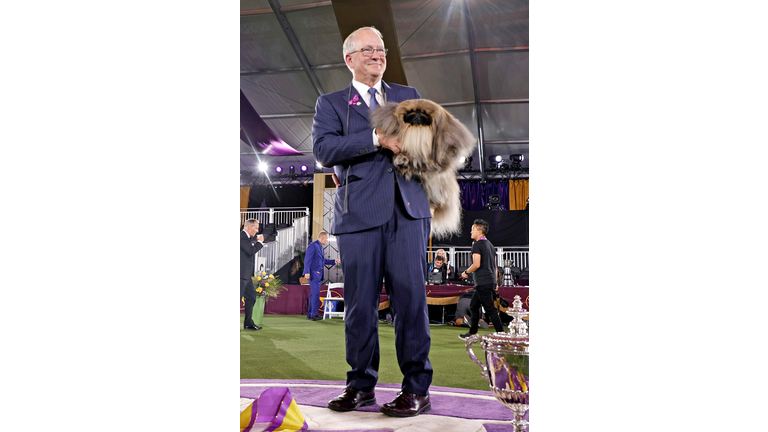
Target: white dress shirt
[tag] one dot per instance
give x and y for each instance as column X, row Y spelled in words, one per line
column 363, row 90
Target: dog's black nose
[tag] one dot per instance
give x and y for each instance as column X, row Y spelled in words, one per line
column 417, row 118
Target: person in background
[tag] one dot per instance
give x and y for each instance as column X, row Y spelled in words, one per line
column 449, row 268
column 250, row 244
column 439, row 266
column 314, row 260
column 484, row 267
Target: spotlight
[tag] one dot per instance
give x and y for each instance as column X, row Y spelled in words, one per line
column 494, row 203
column 263, row 167
column 516, row 160
column 292, row 169
column 318, row 165
column 303, row 168
column 466, row 163
column 497, row 161
column 279, row 169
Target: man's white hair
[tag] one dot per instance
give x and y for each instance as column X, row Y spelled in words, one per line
column 350, row 43
column 250, row 222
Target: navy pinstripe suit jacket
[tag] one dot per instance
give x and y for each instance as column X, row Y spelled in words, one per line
column 366, row 198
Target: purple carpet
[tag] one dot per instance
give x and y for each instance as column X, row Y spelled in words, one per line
column 442, row 404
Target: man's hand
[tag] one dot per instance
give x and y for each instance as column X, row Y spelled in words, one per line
column 306, row 276
column 338, row 260
column 448, row 270
column 388, row 141
column 260, row 238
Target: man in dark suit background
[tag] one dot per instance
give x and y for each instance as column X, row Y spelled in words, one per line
column 381, row 222
column 250, row 244
column 314, row 260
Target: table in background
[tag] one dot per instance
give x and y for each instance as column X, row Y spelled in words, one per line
column 295, row 299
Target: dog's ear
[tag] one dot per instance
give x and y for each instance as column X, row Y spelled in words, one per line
column 385, row 118
column 452, row 138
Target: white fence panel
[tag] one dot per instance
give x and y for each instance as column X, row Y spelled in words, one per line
column 274, row 215
column 288, row 243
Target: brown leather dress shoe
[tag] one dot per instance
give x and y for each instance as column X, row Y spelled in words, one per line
column 351, row 400
column 407, row 405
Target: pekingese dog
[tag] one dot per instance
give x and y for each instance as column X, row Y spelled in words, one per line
column 432, row 143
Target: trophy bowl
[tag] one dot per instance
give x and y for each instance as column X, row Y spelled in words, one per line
column 507, row 372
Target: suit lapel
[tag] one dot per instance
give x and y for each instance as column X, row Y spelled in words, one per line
column 360, row 107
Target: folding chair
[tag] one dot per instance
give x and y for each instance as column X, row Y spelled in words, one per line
column 329, row 298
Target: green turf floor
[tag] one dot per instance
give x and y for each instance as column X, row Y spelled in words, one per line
column 291, row 347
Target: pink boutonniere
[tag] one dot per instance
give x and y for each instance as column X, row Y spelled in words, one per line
column 354, row 101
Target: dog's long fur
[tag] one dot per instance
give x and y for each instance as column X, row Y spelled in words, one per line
column 432, row 142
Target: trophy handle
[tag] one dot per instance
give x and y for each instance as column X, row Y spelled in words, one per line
column 472, row 339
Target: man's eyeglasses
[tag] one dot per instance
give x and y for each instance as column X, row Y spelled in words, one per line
column 368, row 52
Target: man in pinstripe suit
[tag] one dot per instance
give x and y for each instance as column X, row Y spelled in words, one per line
column 381, row 222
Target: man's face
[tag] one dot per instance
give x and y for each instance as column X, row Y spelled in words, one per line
column 438, row 263
column 254, row 229
column 367, row 68
column 323, row 240
column 475, row 233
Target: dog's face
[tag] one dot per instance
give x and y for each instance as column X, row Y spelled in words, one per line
column 431, row 139
column 419, row 122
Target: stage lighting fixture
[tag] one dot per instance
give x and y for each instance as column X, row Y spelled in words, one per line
column 497, row 162
column 318, row 165
column 495, row 159
column 466, row 163
column 494, row 203
column 279, row 169
column 516, row 158
column 263, row 167
column 303, row 168
column 292, row 169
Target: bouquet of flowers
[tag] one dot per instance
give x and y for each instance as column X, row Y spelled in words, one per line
column 267, row 286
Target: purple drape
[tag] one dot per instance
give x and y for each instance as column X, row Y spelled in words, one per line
column 474, row 194
column 255, row 132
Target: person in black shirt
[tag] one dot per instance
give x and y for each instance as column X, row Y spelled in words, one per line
column 484, row 268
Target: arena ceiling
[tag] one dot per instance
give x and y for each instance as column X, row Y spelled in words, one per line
column 471, row 56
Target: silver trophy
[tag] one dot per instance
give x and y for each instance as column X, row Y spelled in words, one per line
column 506, row 354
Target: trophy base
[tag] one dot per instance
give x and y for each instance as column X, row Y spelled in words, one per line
column 517, row 402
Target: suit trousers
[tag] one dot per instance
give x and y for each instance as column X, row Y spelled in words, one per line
column 246, row 285
column 314, row 297
column 393, row 252
column 484, row 296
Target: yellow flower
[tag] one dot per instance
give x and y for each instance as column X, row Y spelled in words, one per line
column 272, row 276
column 264, row 273
column 266, row 284
column 258, row 278
column 258, row 289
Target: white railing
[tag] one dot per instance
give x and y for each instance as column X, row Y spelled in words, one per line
column 273, row 215
column 289, row 240
column 461, row 256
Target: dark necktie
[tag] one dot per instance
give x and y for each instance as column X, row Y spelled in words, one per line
column 373, row 104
